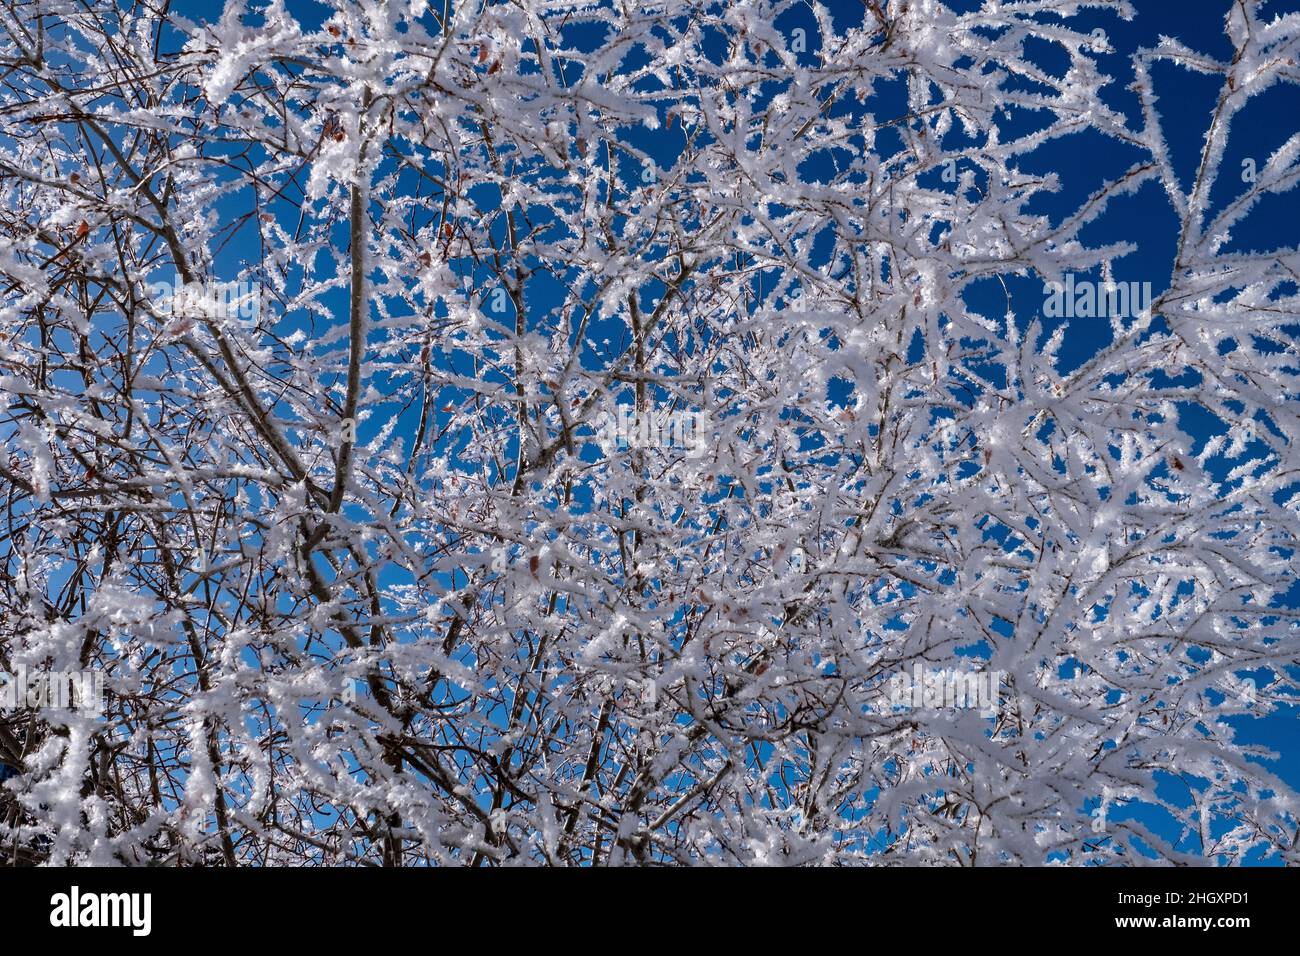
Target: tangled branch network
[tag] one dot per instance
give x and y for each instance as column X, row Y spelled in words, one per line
column 691, row 432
